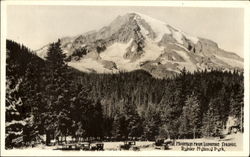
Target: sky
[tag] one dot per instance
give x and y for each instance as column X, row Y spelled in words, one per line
column 38, row 25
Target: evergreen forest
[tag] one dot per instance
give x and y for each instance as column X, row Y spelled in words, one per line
column 47, row 97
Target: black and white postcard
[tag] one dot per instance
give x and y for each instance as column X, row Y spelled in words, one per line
column 124, row 78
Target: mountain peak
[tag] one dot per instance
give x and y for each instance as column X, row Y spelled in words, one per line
column 159, row 27
column 137, row 41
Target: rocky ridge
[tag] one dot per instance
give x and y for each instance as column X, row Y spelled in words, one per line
column 136, row 41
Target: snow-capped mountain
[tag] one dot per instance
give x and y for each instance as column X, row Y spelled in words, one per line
column 136, row 41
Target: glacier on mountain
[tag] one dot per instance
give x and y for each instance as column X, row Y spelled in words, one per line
column 137, row 41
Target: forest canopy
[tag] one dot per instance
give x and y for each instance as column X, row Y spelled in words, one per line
column 47, row 97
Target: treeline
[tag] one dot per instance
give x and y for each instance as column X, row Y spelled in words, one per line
column 48, row 97
column 190, row 105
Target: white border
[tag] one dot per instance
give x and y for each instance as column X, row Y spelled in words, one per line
column 223, row 4
column 218, row 4
column 3, row 74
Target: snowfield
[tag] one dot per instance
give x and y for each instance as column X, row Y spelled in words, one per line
column 188, row 64
column 89, row 64
column 231, row 62
column 152, row 51
column 160, row 28
column 115, row 53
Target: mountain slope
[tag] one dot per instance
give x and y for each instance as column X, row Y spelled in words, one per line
column 136, row 41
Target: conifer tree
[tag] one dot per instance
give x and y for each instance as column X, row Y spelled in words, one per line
column 212, row 123
column 17, row 121
column 56, row 117
column 192, row 110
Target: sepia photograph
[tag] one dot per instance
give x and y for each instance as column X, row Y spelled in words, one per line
column 102, row 78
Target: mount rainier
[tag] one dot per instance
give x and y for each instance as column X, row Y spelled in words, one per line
column 136, row 41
